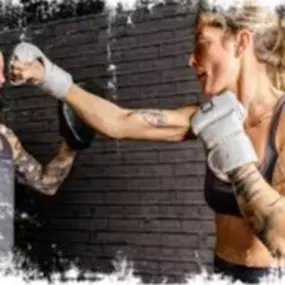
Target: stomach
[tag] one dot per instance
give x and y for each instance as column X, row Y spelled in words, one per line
column 236, row 243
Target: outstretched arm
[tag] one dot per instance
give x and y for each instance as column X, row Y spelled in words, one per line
column 103, row 115
column 45, row 179
column 120, row 123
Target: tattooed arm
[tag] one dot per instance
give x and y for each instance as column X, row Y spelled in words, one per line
column 262, row 206
column 119, row 123
column 45, row 179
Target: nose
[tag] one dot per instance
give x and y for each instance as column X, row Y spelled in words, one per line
column 192, row 61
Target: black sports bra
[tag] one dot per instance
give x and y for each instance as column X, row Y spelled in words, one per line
column 219, row 194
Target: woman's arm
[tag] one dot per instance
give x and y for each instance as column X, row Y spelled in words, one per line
column 120, row 123
column 262, row 206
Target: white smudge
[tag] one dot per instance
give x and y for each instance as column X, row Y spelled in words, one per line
column 124, row 271
column 122, row 275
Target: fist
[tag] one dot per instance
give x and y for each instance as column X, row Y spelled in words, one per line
column 21, row 73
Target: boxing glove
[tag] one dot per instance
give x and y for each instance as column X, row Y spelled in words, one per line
column 219, row 124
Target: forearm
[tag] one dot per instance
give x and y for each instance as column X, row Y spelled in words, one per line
column 119, row 123
column 98, row 112
column 45, row 179
column 262, row 207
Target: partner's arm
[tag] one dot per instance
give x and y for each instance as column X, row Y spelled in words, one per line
column 45, row 179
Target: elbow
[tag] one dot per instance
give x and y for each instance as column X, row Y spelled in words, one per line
column 114, row 133
column 51, row 191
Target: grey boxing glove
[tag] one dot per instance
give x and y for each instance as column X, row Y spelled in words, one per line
column 219, row 124
column 57, row 81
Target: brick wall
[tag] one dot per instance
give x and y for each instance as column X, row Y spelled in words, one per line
column 144, row 199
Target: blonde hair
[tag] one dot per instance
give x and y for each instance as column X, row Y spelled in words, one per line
column 268, row 29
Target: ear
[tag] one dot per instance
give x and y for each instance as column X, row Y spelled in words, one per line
column 244, row 39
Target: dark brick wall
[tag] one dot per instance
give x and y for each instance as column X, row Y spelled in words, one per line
column 142, row 198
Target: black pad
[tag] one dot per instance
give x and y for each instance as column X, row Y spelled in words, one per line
column 76, row 132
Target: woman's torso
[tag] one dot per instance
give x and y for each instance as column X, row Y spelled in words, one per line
column 235, row 241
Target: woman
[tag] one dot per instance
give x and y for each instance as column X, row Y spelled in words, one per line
column 240, row 51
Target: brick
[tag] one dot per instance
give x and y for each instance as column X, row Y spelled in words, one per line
column 183, row 183
column 87, row 249
column 180, row 73
column 84, row 224
column 120, row 197
column 73, row 236
column 119, row 238
column 99, row 159
column 178, row 212
column 155, row 38
column 72, row 39
column 140, row 53
column 194, row 168
column 156, row 89
column 156, row 64
column 166, row 226
column 62, row 27
column 146, row 157
column 179, row 156
column 82, row 198
column 190, row 197
column 167, row 24
column 175, row 48
column 83, row 60
column 206, row 212
column 155, row 197
column 185, row 33
column 132, row 225
column 128, row 67
column 101, row 211
column 179, row 240
column 143, row 184
column 145, row 78
column 119, row 252
column 125, row 42
column 148, row 266
column 197, row 226
column 183, row 255
column 70, row 51
column 177, row 268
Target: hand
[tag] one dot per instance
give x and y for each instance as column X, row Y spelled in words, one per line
column 219, row 123
column 55, row 81
column 21, row 73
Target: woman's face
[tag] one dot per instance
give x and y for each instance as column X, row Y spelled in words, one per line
column 215, row 60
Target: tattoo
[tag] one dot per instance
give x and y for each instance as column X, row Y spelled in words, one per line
column 153, row 117
column 243, row 182
column 30, row 172
column 260, row 211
